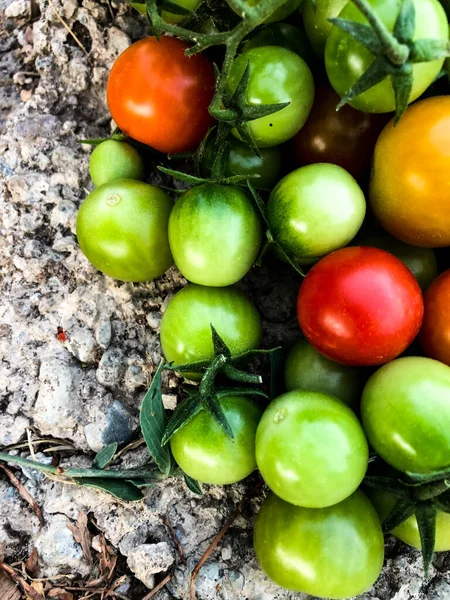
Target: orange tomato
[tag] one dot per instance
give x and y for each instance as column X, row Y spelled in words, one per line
column 435, row 332
column 410, row 186
column 159, row 96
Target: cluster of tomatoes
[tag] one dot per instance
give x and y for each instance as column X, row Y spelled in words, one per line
column 367, row 297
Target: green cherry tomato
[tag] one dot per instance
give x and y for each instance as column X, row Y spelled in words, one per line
column 281, row 13
column 204, row 451
column 315, row 17
column 307, row 369
column 314, row 210
column 405, row 410
column 214, row 234
column 408, row 531
column 122, row 230
column 311, row 449
column 346, row 59
column 112, row 160
column 280, row 34
column 333, row 552
column 186, row 323
column 277, row 75
column 243, row 161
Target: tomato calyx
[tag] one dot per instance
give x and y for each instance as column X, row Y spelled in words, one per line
column 395, row 53
column 420, row 494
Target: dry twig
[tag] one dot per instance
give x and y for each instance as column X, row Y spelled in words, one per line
column 29, row 591
column 59, row 17
column 160, row 586
column 24, row 493
column 174, row 538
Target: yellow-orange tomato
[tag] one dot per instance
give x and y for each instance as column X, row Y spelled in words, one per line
column 410, row 187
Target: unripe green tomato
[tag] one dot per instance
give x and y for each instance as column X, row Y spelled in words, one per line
column 122, row 230
column 280, row 34
column 173, row 18
column 113, row 160
column 276, row 75
column 243, row 161
column 311, row 449
column 315, row 17
column 307, row 369
column 281, row 13
column 215, row 234
column 333, row 552
column 204, row 451
column 314, row 210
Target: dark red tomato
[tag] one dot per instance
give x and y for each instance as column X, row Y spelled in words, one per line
column 435, row 332
column 159, row 96
column 360, row 306
column 346, row 137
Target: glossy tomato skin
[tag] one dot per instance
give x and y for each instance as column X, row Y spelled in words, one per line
column 410, row 190
column 204, row 451
column 435, row 332
column 159, row 96
column 360, row 306
column 420, row 261
column 345, row 137
column 315, row 17
column 405, row 411
column 307, row 369
column 314, row 210
column 186, row 323
column 408, row 531
column 112, row 160
column 122, row 230
column 335, row 552
column 281, row 13
column 276, row 75
column 346, row 60
column 215, row 234
column 280, row 34
column 311, row 449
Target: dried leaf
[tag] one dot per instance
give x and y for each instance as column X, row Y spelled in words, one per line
column 8, row 589
column 32, row 564
column 60, row 594
column 38, row 587
column 81, row 534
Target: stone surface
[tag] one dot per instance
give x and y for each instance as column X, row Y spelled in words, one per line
column 147, row 559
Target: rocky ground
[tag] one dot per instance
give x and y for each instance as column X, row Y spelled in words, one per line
column 72, row 399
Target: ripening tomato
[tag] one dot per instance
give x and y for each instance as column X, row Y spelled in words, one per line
column 405, row 410
column 346, row 60
column 115, row 160
column 159, row 96
column 315, row 17
column 410, row 187
column 333, row 552
column 360, row 306
column 345, row 137
column 311, row 449
column 205, row 452
column 435, row 332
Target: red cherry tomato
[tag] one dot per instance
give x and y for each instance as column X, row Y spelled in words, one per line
column 159, row 96
column 360, row 306
column 435, row 332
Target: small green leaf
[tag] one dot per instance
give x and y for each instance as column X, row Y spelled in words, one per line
column 292, row 262
column 219, row 345
column 176, row 9
column 377, row 72
column 405, row 24
column 388, row 484
column 183, row 176
column 119, row 489
column 195, row 367
column 418, row 478
column 213, row 405
column 239, row 97
column 256, row 353
column 142, row 483
column 426, row 522
column 243, row 128
column 183, row 413
column 442, row 502
column 193, row 485
column 239, row 391
column 362, row 33
column 105, row 456
column 429, row 50
column 241, row 376
column 257, row 200
column 252, row 112
column 402, row 510
column 140, row 7
column 93, row 141
column 402, row 83
column 153, row 422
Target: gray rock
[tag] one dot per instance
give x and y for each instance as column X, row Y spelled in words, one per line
column 115, row 424
column 12, row 429
column 147, row 559
column 111, row 367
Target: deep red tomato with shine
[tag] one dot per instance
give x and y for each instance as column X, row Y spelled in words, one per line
column 159, row 96
column 435, row 332
column 360, row 306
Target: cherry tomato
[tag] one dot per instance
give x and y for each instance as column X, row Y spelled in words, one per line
column 333, row 552
column 346, row 137
column 242, row 161
column 186, row 323
column 281, row 13
column 214, row 234
column 159, row 96
column 307, row 369
column 435, row 332
column 122, row 230
column 405, row 411
column 314, row 210
column 280, row 34
column 420, row 261
column 311, row 449
column 410, row 189
column 315, row 17
column 112, row 160
column 204, row 451
column 276, row 75
column 408, row 531
column 360, row 306
column 346, row 59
